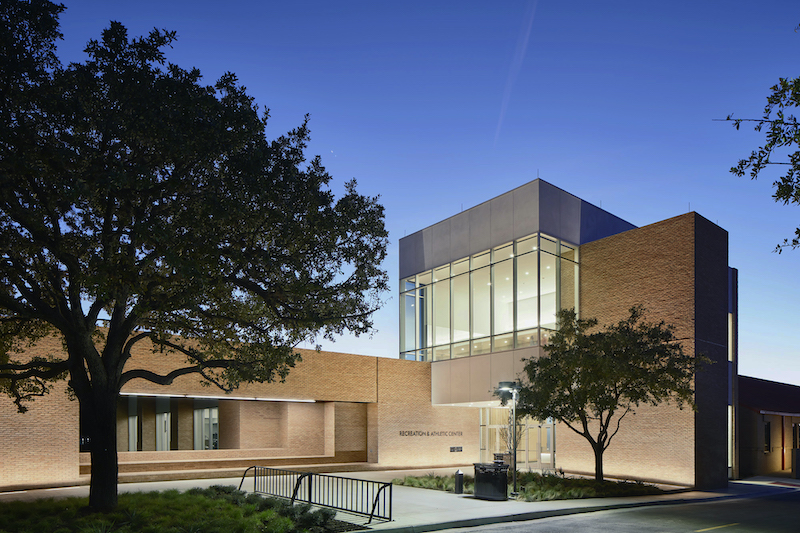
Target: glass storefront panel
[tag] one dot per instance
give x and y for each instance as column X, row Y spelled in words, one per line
column 501, row 343
column 503, row 252
column 206, row 425
column 460, row 267
column 528, row 244
column 480, row 260
column 503, row 290
column 460, row 299
column 481, row 304
column 545, row 336
column 527, row 291
column 569, row 252
column 568, row 291
column 513, row 289
column 548, row 244
column 547, row 288
column 527, row 338
column 441, row 353
column 481, row 346
column 441, row 273
column 424, row 279
column 407, row 321
column 460, row 349
column 425, row 324
column 441, row 312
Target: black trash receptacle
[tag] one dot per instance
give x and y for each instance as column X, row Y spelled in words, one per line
column 491, row 481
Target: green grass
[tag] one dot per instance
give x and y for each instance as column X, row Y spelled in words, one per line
column 213, row 510
column 535, row 487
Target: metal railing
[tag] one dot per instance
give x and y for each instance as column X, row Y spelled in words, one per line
column 359, row 496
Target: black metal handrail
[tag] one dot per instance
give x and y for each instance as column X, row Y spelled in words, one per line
column 359, row 496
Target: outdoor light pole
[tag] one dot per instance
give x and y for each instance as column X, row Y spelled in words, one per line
column 513, row 388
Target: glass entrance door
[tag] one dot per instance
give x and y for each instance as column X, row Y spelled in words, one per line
column 536, row 448
column 163, row 424
column 206, row 425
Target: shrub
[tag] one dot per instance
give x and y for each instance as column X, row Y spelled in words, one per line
column 213, row 510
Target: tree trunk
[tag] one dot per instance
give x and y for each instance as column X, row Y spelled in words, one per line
column 102, row 429
column 598, row 461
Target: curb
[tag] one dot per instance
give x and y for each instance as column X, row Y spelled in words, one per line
column 536, row 515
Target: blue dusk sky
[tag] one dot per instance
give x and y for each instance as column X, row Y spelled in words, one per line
column 438, row 106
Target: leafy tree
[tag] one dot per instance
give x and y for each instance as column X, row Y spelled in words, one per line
column 140, row 206
column 782, row 134
column 592, row 378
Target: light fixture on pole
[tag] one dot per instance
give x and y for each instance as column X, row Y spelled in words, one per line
column 513, row 388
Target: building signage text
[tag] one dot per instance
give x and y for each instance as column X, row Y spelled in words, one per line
column 430, row 433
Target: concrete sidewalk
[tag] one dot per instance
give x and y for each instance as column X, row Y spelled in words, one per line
column 418, row 510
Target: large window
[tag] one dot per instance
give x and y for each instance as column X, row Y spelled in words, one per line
column 495, row 300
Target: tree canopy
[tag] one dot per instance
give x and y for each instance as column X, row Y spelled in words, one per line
column 782, row 133
column 138, row 204
column 591, row 378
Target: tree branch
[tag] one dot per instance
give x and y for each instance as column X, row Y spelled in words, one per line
column 167, row 379
column 33, row 369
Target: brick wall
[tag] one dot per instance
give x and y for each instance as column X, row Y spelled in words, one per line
column 185, row 420
column 229, row 425
column 412, row 432
column 351, row 428
column 306, row 428
column 321, row 376
column 41, row 445
column 362, row 406
column 677, row 269
column 263, row 424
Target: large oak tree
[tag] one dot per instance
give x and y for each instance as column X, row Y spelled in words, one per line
column 138, row 205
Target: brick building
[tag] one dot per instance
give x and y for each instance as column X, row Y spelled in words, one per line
column 769, row 418
column 479, row 294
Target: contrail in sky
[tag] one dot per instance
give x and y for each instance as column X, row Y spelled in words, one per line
column 516, row 64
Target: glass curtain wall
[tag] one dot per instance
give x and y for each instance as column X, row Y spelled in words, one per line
column 536, row 440
column 495, row 300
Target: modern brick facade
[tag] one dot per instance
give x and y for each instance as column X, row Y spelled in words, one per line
column 677, row 269
column 341, row 411
column 365, row 412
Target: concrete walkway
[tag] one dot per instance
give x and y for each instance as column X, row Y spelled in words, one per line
column 418, row 510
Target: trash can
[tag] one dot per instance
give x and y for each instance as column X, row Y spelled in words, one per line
column 491, row 481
